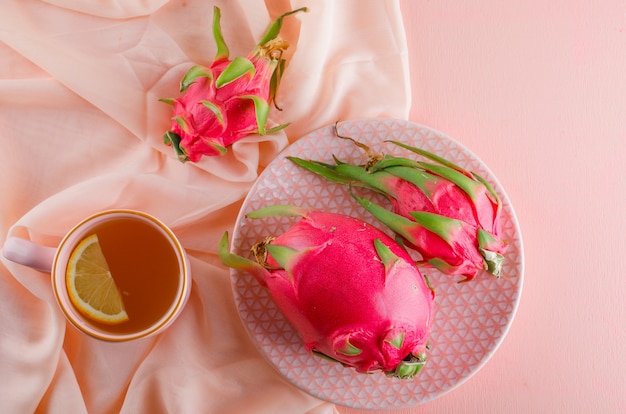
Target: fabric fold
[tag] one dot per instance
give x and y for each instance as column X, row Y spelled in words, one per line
column 111, row 8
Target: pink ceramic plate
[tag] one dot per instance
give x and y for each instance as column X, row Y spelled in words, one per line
column 471, row 319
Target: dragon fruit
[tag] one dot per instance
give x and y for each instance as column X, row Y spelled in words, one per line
column 447, row 214
column 229, row 99
column 352, row 292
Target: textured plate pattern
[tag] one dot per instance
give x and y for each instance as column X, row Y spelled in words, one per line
column 471, row 319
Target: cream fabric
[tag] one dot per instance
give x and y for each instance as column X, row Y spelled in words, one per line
column 81, row 131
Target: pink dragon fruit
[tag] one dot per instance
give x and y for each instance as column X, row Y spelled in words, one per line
column 448, row 215
column 229, row 99
column 349, row 289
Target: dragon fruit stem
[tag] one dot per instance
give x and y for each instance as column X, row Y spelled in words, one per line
column 430, row 156
column 410, row 367
column 277, row 128
column 274, row 29
column 386, row 256
column 327, row 171
column 470, row 187
column 282, row 210
column 372, row 156
column 169, row 101
column 216, row 111
column 261, row 111
column 390, row 161
column 192, row 74
column 173, row 139
column 222, row 47
column 241, row 263
column 396, row 341
column 442, row 226
column 275, row 82
column 375, row 182
column 282, row 254
column 492, row 192
column 493, row 260
column 397, row 223
column 347, row 348
column 237, row 68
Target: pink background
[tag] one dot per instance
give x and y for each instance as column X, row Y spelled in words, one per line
column 537, row 89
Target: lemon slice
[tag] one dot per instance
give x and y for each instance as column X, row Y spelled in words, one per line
column 90, row 285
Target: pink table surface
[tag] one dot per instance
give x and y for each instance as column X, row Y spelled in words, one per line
column 538, row 91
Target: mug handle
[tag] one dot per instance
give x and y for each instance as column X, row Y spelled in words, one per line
column 29, row 254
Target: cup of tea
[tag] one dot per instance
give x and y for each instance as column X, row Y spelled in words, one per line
column 117, row 275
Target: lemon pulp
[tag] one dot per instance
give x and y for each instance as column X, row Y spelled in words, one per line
column 91, row 288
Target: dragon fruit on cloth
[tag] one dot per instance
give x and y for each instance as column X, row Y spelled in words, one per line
column 447, row 214
column 351, row 291
column 229, row 99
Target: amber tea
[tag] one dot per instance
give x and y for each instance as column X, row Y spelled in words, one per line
column 145, row 267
